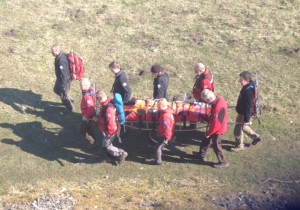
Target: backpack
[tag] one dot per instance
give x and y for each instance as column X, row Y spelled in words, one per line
column 256, row 100
column 256, row 111
column 76, row 66
column 207, row 83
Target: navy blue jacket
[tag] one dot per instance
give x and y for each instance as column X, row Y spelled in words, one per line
column 62, row 69
column 161, row 84
column 121, row 86
column 244, row 104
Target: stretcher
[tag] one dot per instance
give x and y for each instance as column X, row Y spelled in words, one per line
column 144, row 114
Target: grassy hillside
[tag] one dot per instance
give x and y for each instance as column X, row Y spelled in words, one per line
column 41, row 151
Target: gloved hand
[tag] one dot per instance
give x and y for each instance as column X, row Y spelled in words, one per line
column 166, row 142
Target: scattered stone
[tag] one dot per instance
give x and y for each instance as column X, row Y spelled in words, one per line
column 10, row 33
column 290, row 51
column 61, row 201
column 246, row 201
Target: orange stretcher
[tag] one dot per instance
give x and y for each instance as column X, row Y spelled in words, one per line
column 146, row 111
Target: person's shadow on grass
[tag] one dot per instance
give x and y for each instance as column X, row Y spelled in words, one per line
column 46, row 144
column 49, row 143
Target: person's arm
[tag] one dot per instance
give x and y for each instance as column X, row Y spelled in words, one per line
column 160, row 88
column 248, row 97
column 125, row 86
column 111, row 121
column 63, row 65
column 215, row 122
column 167, row 127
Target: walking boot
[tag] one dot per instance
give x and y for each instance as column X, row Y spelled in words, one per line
column 256, row 140
column 239, row 148
column 122, row 157
column 221, row 165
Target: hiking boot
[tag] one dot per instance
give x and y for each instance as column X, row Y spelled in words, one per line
column 221, row 165
column 237, row 149
column 122, row 157
column 256, row 140
column 199, row 156
column 157, row 163
column 202, row 159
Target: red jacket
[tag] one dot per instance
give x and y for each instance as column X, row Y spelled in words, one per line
column 107, row 118
column 218, row 117
column 203, row 81
column 87, row 104
column 166, row 128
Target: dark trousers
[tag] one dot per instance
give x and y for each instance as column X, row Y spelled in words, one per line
column 63, row 92
column 214, row 141
column 170, row 146
column 87, row 131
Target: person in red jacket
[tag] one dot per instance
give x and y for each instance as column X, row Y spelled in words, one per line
column 166, row 131
column 204, row 80
column 109, row 127
column 87, row 106
column 216, row 128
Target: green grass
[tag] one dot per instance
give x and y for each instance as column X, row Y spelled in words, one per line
column 41, row 151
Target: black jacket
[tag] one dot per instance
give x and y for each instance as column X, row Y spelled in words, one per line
column 161, row 84
column 121, row 86
column 62, row 70
column 244, row 104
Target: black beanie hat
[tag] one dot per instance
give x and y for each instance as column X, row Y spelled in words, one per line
column 156, row 69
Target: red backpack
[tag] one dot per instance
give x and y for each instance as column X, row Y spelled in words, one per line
column 76, row 66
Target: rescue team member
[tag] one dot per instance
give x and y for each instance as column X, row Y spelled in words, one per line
column 161, row 82
column 166, row 131
column 120, row 85
column 87, row 106
column 109, row 127
column 216, row 128
column 63, row 80
column 244, row 108
column 204, row 80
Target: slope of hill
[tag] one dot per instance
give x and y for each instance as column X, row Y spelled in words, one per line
column 41, row 151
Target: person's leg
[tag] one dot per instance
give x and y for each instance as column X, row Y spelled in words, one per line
column 113, row 151
column 84, row 131
column 158, row 151
column 66, row 99
column 57, row 89
column 204, row 146
column 217, row 147
column 91, row 133
column 252, row 134
column 238, row 134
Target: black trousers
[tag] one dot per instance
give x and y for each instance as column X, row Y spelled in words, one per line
column 63, row 93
